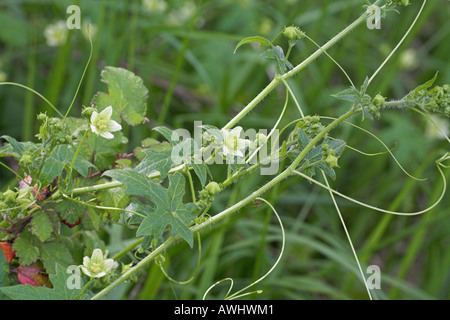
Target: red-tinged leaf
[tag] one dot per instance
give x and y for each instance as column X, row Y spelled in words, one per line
column 7, row 251
column 34, row 275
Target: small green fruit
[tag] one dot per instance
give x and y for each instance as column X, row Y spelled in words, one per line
column 293, row 33
column 331, row 161
column 213, row 188
column 379, row 100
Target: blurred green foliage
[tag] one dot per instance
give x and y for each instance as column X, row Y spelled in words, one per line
column 183, row 50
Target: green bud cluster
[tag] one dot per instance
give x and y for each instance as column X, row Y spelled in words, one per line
column 329, row 156
column 9, row 196
column 23, row 198
column 293, row 34
column 87, row 112
column 436, row 100
column 26, row 159
column 376, row 105
column 52, row 128
column 15, row 201
column 206, row 195
column 311, row 126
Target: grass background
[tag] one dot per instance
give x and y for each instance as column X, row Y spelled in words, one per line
column 189, row 67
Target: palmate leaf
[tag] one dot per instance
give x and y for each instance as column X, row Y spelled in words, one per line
column 171, row 211
column 126, row 94
column 169, row 206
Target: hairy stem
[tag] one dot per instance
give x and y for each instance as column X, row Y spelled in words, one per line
column 230, row 210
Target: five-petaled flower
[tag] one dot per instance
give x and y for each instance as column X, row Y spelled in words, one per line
column 102, row 125
column 97, row 265
column 233, row 145
column 56, row 34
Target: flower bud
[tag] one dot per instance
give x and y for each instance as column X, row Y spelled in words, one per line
column 42, row 117
column 87, row 112
column 54, row 121
column 331, row 161
column 26, row 159
column 378, row 101
column 213, row 188
column 293, row 33
column 374, row 111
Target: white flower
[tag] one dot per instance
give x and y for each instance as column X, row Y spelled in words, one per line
column 101, row 123
column 56, row 34
column 97, row 265
column 182, row 15
column 156, row 6
column 409, row 59
column 232, row 143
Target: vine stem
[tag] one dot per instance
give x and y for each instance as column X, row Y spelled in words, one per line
column 84, row 289
column 285, row 174
column 274, row 83
column 227, row 212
